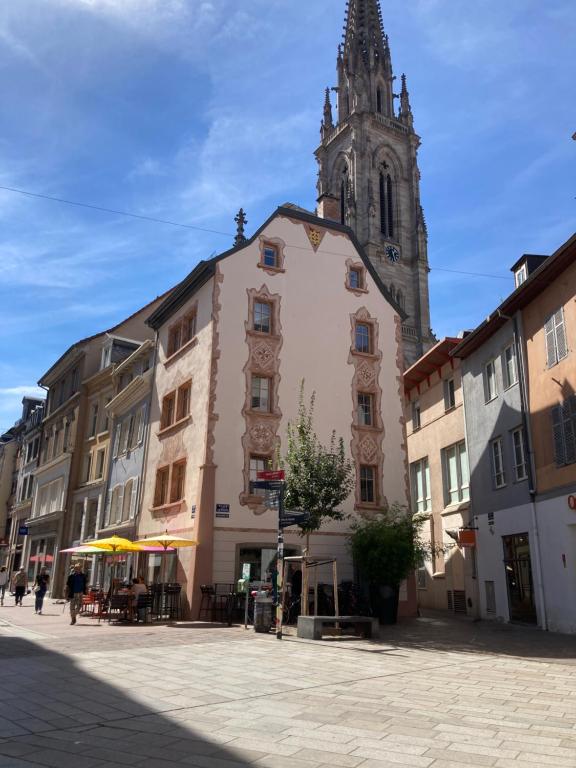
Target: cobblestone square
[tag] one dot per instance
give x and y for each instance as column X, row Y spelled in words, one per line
column 433, row 692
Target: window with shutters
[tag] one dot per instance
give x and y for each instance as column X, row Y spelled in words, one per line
column 168, row 410
column 564, row 431
column 555, row 334
column 161, row 488
column 456, row 474
column 127, row 501
column 520, row 470
column 420, row 476
column 181, row 333
column 449, row 394
column 183, row 401
column 416, row 415
column 509, row 368
column 498, row 474
column 490, row 391
column 177, row 483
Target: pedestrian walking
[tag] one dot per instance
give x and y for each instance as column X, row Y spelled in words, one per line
column 20, row 585
column 40, row 589
column 76, row 588
column 3, row 583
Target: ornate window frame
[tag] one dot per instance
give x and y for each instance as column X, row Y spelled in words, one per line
column 261, row 428
column 366, row 443
column 357, row 266
column 280, row 246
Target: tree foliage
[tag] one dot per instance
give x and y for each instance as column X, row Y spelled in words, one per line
column 388, row 547
column 318, row 478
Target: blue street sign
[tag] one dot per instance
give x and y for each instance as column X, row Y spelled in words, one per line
column 23, row 530
column 296, row 517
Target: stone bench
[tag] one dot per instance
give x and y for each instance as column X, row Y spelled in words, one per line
column 310, row 627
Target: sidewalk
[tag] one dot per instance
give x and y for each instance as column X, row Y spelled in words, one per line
column 435, row 693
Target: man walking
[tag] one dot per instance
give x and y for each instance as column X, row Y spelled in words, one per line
column 76, row 587
column 20, row 584
column 3, row 583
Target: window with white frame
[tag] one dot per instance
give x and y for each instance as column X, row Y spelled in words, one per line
column 498, row 474
column 456, row 474
column 365, row 409
column 564, row 431
column 420, row 475
column 260, row 396
column 520, row 470
column 367, row 484
column 100, row 463
column 509, row 367
column 262, row 317
column 490, row 390
column 555, row 333
column 449, row 394
column 520, row 276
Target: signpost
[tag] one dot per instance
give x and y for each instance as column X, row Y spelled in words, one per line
column 273, row 482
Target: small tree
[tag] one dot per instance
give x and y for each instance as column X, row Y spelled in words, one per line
column 387, row 547
column 318, row 478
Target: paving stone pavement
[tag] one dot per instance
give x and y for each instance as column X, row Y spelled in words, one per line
column 435, row 692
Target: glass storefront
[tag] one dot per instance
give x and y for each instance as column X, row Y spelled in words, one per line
column 262, row 561
column 42, row 552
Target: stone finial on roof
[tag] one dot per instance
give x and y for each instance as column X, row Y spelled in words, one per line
column 241, row 222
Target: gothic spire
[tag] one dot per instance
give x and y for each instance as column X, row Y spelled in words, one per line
column 364, row 31
column 327, row 122
column 405, row 109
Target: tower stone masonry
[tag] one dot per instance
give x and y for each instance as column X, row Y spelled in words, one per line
column 368, row 174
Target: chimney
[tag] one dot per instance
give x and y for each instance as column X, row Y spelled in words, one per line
column 329, row 208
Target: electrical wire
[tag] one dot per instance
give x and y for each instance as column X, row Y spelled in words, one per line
column 155, row 220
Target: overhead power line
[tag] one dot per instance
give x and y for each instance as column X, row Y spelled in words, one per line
column 156, row 220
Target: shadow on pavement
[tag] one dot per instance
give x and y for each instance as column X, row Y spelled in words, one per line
column 437, row 631
column 54, row 713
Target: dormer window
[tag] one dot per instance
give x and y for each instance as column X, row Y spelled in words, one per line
column 520, row 276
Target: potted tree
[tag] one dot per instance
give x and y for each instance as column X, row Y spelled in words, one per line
column 386, row 549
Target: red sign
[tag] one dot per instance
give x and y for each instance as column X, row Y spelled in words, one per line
column 467, row 538
column 271, row 474
column 572, row 502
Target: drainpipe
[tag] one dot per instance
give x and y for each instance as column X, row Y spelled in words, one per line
column 530, row 465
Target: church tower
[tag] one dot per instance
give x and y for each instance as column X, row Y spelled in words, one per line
column 368, row 171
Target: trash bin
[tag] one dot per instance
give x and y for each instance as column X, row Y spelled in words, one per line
column 263, row 605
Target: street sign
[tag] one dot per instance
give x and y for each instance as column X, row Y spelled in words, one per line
column 23, row 530
column 223, row 510
column 271, row 474
column 295, row 517
column 267, row 485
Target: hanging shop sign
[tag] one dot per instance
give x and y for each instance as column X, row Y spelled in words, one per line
column 466, row 538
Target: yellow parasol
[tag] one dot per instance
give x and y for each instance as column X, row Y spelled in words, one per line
column 114, row 545
column 166, row 541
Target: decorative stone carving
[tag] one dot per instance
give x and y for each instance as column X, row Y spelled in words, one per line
column 261, row 433
column 262, row 437
column 365, row 374
column 366, row 443
column 262, row 356
column 368, row 450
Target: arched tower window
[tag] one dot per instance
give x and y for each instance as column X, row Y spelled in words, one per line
column 386, row 205
column 379, row 100
column 343, row 202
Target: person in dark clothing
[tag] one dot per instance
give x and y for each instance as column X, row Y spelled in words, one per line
column 76, row 588
column 40, row 589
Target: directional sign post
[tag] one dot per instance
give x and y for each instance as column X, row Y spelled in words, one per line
column 274, row 481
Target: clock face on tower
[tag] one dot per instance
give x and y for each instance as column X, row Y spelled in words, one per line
column 393, row 254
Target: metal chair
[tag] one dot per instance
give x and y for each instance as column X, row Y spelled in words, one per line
column 206, row 602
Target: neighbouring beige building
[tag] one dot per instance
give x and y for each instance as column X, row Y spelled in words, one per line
column 298, row 301
column 434, row 413
column 70, row 487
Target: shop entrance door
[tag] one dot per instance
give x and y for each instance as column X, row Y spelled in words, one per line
column 518, row 569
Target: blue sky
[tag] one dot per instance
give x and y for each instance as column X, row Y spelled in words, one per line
column 189, row 109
